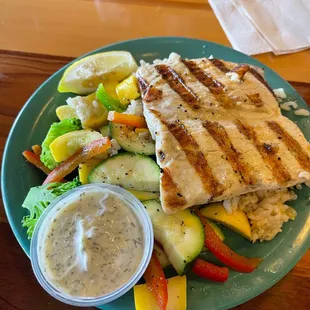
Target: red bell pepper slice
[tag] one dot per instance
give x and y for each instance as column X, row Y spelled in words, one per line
column 223, row 252
column 156, row 282
column 90, row 150
column 210, row 271
column 35, row 160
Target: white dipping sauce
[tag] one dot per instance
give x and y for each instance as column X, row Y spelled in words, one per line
column 93, row 245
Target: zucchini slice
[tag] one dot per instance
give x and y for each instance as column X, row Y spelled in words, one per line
column 181, row 234
column 131, row 171
column 131, row 141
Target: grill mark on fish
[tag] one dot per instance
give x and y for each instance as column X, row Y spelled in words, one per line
column 149, row 92
column 241, row 70
column 256, row 99
column 293, row 146
column 215, row 87
column 143, row 84
column 219, row 134
column 173, row 197
column 152, row 94
column 194, row 156
column 176, row 82
column 220, row 65
column 268, row 153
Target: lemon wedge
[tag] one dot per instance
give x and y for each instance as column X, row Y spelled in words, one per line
column 84, row 75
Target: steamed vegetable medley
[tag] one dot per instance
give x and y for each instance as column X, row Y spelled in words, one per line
column 102, row 136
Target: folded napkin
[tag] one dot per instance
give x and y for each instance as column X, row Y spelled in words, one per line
column 260, row 26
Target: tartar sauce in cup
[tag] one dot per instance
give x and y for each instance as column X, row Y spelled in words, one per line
column 92, row 245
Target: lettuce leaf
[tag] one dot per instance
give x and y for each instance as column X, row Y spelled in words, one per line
column 38, row 199
column 56, row 130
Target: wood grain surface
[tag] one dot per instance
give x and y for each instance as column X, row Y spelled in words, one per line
column 20, row 75
column 74, row 27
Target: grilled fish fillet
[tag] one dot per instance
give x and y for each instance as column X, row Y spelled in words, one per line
column 219, row 132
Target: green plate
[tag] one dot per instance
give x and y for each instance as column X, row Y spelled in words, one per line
column 280, row 254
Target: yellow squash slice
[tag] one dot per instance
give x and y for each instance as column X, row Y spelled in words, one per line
column 144, row 299
column 237, row 221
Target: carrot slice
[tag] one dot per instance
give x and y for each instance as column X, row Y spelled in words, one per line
column 37, row 149
column 127, row 119
column 156, row 282
column 90, row 150
column 34, row 159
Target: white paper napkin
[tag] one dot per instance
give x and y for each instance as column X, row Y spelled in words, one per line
column 259, row 26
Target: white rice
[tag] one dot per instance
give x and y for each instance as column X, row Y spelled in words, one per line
column 231, row 205
column 234, row 76
column 135, row 107
column 172, row 57
column 302, row 112
column 280, row 93
column 85, row 109
column 304, row 174
column 266, row 211
column 287, row 105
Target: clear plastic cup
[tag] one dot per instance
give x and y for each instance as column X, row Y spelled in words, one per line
column 42, row 225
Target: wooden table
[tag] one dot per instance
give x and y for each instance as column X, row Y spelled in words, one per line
column 39, row 37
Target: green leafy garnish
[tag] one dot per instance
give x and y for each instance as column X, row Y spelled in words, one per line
column 57, row 129
column 38, row 199
column 110, row 103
